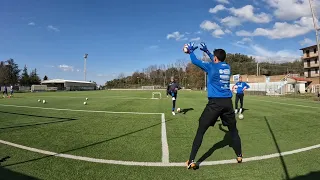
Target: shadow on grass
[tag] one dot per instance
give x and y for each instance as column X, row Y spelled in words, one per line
column 36, row 124
column 311, row 176
column 8, row 174
column 226, row 141
column 184, row 111
column 285, row 169
column 90, row 145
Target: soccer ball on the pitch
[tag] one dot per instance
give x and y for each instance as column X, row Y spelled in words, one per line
column 87, row 99
column 85, row 103
column 185, row 49
column 240, row 116
column 39, row 100
column 178, row 110
column 44, row 101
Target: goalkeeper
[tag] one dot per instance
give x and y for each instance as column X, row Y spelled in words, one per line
column 172, row 89
column 219, row 100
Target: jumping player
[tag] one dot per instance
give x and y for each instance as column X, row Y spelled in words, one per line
column 219, row 100
column 172, row 89
column 241, row 87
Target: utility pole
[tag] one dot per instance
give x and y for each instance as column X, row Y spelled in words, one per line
column 85, row 67
column 316, row 28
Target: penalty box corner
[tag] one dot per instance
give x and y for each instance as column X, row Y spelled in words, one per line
column 156, row 95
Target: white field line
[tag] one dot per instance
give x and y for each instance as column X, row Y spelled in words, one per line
column 109, row 97
column 298, row 105
column 133, row 163
column 164, row 140
column 77, row 110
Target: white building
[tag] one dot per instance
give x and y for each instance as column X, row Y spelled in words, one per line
column 69, row 85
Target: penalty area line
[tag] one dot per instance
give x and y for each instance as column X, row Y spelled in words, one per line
column 164, row 140
column 80, row 110
column 156, row 164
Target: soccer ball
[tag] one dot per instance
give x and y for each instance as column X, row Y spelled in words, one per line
column 240, row 116
column 85, row 103
column 44, row 101
column 185, row 49
column 87, row 99
column 178, row 110
column 39, row 100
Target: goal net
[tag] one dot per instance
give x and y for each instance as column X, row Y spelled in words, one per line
column 148, row 87
column 38, row 88
column 156, row 95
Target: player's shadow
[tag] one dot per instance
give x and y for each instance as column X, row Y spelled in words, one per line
column 226, row 141
column 61, row 119
column 8, row 174
column 310, row 176
column 184, row 111
column 92, row 144
column 285, row 169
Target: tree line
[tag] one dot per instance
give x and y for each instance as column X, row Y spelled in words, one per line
column 190, row 76
column 10, row 75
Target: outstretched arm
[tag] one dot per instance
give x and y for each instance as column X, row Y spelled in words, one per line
column 201, row 64
column 205, row 49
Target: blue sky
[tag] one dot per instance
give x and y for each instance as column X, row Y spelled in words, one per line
column 125, row 35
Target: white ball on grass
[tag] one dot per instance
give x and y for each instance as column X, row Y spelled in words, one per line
column 87, row 99
column 85, row 103
column 178, row 110
column 39, row 100
column 241, row 116
column 44, row 101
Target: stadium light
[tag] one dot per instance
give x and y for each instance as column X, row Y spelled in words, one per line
column 316, row 28
column 85, row 67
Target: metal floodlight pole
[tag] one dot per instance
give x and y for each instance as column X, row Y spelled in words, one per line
column 316, row 28
column 85, row 67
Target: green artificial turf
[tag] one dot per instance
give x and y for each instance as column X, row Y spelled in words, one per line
column 101, row 130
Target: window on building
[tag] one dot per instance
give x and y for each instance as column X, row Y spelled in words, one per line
column 317, row 71
column 307, row 52
column 314, row 50
column 316, row 61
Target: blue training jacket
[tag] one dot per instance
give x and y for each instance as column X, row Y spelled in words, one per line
column 241, row 85
column 218, row 82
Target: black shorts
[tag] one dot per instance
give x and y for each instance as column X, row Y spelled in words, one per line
column 218, row 107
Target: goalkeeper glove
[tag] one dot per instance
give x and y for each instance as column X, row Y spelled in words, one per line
column 191, row 47
column 204, row 47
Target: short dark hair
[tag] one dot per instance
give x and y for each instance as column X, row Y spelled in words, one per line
column 220, row 54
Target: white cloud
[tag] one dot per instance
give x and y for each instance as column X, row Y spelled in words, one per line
column 177, row 36
column 245, row 40
column 231, row 21
column 195, row 39
column 65, row 67
column 262, row 54
column 245, row 14
column 198, row 32
column 282, row 30
column 227, row 31
column 218, row 33
column 50, row 27
column 31, row 24
column 78, row 70
column 307, row 42
column 223, row 1
column 217, row 8
column 208, row 25
column 290, row 9
column 153, row 47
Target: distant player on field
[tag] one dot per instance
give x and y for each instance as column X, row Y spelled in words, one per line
column 219, row 100
column 241, row 87
column 11, row 90
column 5, row 91
column 172, row 89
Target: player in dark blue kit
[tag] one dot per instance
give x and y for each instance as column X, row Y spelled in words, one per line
column 219, row 100
column 5, row 91
column 240, row 87
column 172, row 89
